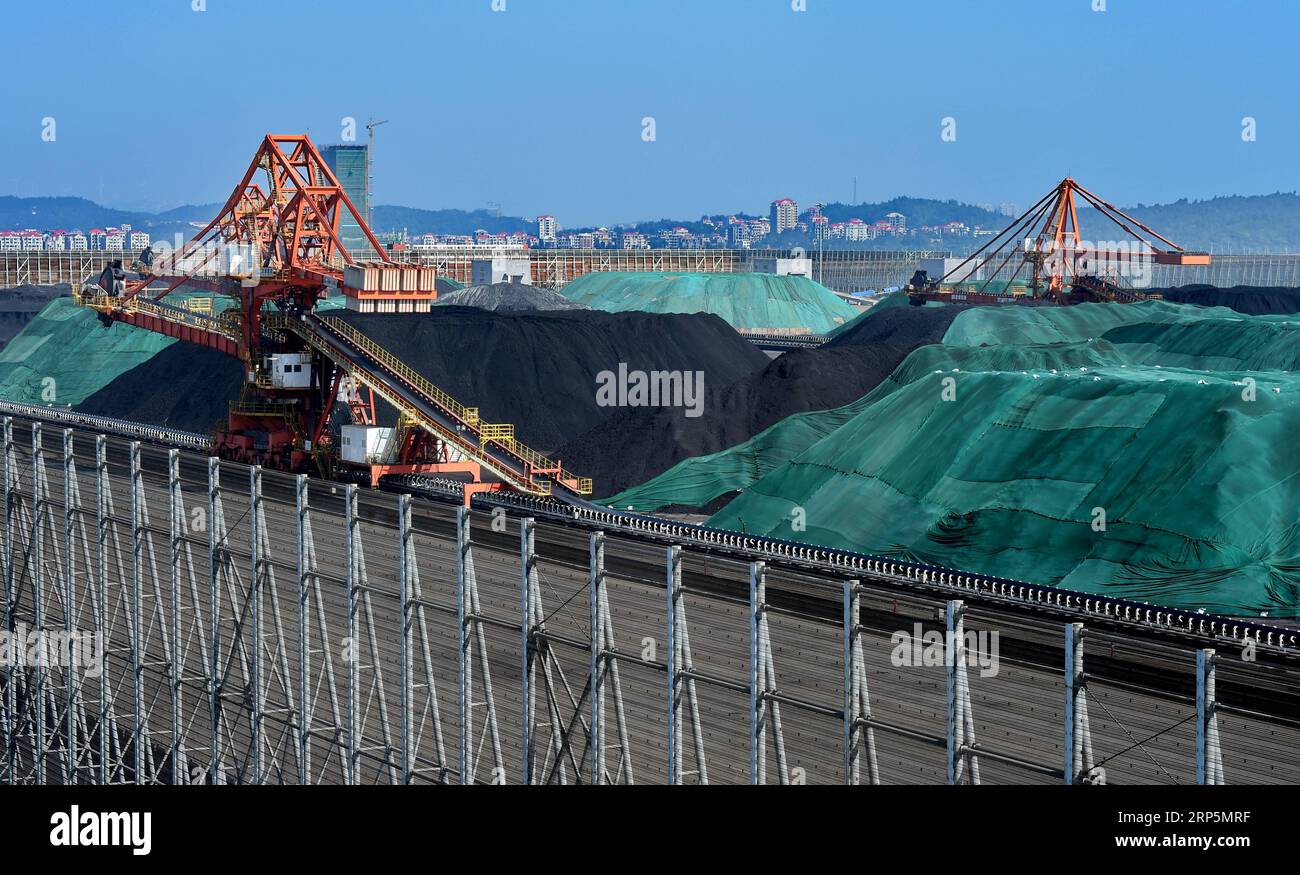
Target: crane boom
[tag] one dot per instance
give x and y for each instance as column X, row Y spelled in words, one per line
column 1063, row 267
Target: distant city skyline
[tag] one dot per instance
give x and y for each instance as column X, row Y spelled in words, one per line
column 671, row 109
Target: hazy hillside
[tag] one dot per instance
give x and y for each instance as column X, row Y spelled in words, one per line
column 1255, row 223
column 73, row 213
column 418, row 221
column 919, row 211
column 1259, row 223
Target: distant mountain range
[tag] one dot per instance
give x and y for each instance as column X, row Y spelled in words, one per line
column 1253, row 223
column 72, row 213
column 1236, row 223
column 417, row 221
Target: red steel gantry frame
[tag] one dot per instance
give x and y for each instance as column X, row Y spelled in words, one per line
column 279, row 247
column 1059, row 259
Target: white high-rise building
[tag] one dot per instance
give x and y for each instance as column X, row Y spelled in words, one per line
column 784, row 215
column 857, row 230
column 547, row 229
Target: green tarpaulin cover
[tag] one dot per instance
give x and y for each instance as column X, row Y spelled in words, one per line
column 1144, row 451
column 747, row 301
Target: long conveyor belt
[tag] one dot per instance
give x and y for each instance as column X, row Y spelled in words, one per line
column 493, row 447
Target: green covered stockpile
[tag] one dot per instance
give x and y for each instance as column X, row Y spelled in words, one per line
column 65, row 355
column 746, row 301
column 1141, row 451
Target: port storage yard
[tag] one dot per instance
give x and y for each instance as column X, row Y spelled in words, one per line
column 489, row 398
column 196, row 502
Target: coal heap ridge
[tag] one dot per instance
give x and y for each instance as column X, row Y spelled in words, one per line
column 1251, row 300
column 536, row 370
column 507, row 297
column 650, row 441
column 184, row 386
column 19, row 304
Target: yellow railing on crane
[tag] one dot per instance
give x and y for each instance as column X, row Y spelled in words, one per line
column 111, row 304
column 501, row 433
column 467, row 415
column 461, row 442
column 261, row 408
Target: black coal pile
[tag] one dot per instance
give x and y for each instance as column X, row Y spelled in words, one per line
column 20, row 304
column 539, row 370
column 1252, row 300
column 901, row 326
column 507, row 297
column 184, row 386
column 536, row 370
column 639, row 443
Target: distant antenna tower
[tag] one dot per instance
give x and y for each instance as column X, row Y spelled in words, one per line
column 370, row 175
column 855, row 189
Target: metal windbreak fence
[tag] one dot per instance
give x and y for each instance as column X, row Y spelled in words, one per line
column 175, row 620
column 839, row 269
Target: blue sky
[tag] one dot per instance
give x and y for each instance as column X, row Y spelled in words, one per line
column 539, row 108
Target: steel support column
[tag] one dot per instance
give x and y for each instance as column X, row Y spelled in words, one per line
column 351, row 534
column 673, row 588
column 71, row 708
column 765, row 710
column 464, row 570
column 1209, row 759
column 541, row 673
column 596, row 587
column 963, row 765
column 526, row 571
column 302, row 724
column 858, row 732
column 137, row 617
column 527, row 647
column 681, row 684
column 176, row 507
column 216, row 543
column 1078, row 767
column 405, row 557
column 605, row 676
column 309, row 589
column 472, row 650
column 102, row 522
column 10, row 714
column 36, row 568
column 255, row 586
